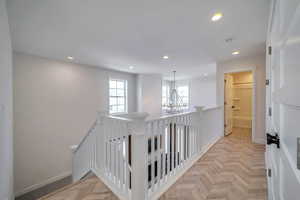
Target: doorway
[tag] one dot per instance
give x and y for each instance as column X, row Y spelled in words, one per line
column 238, row 104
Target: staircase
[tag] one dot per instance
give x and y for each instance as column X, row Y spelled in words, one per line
column 140, row 157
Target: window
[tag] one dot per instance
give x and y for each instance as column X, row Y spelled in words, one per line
column 183, row 92
column 117, row 96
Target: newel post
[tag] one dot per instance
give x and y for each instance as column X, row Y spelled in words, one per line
column 197, row 124
column 197, row 116
column 139, row 155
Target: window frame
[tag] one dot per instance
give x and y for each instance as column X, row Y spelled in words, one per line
column 125, row 96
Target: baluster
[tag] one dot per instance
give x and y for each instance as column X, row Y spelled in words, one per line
column 88, row 140
column 100, row 143
column 95, row 147
column 122, row 166
column 192, row 141
column 173, row 143
column 168, row 138
column 158, row 125
column 152, row 153
column 127, row 172
column 163, row 133
column 179, row 140
column 187, row 137
column 196, row 140
column 110, row 148
column 105, row 146
column 183, row 139
column 191, row 137
column 118, row 145
column 115, row 145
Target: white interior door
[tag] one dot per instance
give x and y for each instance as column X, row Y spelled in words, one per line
column 228, row 103
column 283, row 99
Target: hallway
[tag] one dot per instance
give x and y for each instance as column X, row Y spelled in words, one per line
column 233, row 169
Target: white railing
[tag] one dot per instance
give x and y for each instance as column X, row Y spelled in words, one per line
column 140, row 158
column 172, row 142
column 105, row 152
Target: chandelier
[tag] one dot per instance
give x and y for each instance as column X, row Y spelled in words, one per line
column 174, row 103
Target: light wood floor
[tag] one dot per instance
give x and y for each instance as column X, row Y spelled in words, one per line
column 88, row 189
column 233, row 169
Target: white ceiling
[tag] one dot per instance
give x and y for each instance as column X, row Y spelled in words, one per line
column 118, row 34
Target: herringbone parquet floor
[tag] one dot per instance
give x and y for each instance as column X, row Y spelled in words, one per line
column 89, row 189
column 233, row 169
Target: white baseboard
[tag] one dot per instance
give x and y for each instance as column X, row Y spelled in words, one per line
column 166, row 186
column 42, row 184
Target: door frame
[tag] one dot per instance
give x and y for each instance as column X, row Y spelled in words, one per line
column 224, row 115
column 251, row 69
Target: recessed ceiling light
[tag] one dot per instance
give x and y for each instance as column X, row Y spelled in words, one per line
column 165, row 57
column 217, row 16
column 131, row 67
column 70, row 58
column 205, row 74
column 235, row 53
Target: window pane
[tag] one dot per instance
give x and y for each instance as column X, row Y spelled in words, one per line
column 121, row 100
column 112, row 84
column 121, row 108
column 112, row 101
column 185, row 100
column 183, row 91
column 164, row 91
column 120, row 85
column 112, row 92
column 113, row 109
column 120, row 93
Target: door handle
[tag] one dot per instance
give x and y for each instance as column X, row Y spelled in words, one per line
column 271, row 139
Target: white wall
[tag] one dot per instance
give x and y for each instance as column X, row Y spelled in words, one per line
column 149, row 88
column 249, row 63
column 203, row 91
column 55, row 105
column 6, row 127
column 212, row 125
